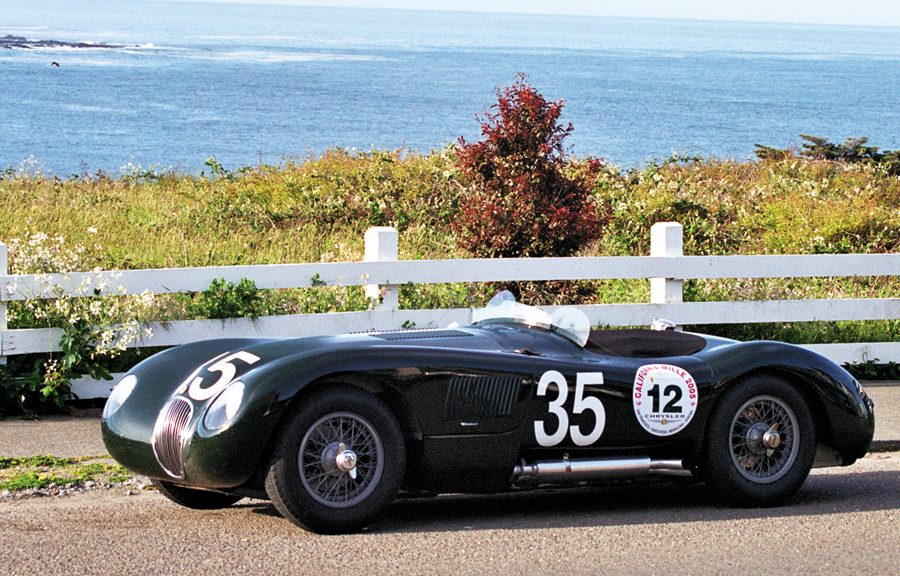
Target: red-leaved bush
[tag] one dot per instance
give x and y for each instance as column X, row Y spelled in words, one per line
column 520, row 199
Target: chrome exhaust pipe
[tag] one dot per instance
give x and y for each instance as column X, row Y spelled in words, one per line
column 587, row 468
column 669, row 467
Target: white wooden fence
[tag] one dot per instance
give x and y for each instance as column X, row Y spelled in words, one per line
column 382, row 273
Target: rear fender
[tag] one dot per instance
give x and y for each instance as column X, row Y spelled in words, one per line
column 845, row 420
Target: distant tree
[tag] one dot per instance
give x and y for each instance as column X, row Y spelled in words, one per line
column 769, row 153
column 852, row 150
column 523, row 197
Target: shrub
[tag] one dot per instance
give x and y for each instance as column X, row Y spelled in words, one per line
column 224, row 299
column 521, row 198
column 98, row 321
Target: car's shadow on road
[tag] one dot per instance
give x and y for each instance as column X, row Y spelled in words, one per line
column 626, row 503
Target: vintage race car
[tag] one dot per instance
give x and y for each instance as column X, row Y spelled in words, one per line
column 331, row 429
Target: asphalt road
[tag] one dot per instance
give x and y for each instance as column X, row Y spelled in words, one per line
column 845, row 520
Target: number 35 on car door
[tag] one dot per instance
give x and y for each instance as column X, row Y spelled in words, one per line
column 548, row 433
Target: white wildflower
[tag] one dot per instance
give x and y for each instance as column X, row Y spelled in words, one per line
column 106, row 324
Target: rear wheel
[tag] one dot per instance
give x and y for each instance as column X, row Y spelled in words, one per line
column 760, row 443
column 193, row 498
column 338, row 461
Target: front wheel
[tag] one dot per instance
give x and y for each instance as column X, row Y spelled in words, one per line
column 338, row 461
column 760, row 443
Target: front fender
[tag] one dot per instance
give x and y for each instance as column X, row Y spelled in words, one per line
column 128, row 432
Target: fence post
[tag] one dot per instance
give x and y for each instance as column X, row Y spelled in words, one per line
column 4, row 270
column 382, row 245
column 666, row 240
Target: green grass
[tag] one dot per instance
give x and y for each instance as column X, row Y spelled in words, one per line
column 35, row 462
column 310, row 211
column 36, row 472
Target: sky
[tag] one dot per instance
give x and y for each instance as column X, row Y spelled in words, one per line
column 840, row 12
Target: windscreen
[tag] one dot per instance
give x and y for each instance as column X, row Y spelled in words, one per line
column 568, row 322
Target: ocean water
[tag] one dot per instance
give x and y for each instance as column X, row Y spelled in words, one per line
column 251, row 83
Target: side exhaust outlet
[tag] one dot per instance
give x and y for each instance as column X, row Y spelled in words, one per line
column 588, row 468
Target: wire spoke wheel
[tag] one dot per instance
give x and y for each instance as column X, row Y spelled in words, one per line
column 341, row 459
column 760, row 443
column 338, row 461
column 763, row 439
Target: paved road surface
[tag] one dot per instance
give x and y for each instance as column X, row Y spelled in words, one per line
column 845, row 521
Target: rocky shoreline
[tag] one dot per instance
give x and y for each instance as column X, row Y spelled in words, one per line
column 11, row 42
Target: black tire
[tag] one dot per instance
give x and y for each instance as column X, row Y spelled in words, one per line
column 305, row 480
column 760, row 443
column 192, row 498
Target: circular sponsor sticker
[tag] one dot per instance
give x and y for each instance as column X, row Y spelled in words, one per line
column 664, row 397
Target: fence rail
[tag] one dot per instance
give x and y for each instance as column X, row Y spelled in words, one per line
column 275, row 276
column 383, row 272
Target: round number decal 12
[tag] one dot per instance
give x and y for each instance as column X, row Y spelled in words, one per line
column 665, row 398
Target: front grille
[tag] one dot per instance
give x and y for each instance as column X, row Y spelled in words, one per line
column 169, row 435
column 481, row 396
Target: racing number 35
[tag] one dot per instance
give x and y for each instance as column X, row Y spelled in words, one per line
column 581, row 404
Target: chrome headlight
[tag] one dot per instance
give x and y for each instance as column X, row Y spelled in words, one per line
column 119, row 395
column 223, row 408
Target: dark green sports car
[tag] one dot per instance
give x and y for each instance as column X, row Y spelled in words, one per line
column 331, row 429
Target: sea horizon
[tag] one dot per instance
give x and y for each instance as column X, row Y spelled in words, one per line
column 250, row 83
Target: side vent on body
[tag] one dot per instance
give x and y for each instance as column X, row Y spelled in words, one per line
column 473, row 397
